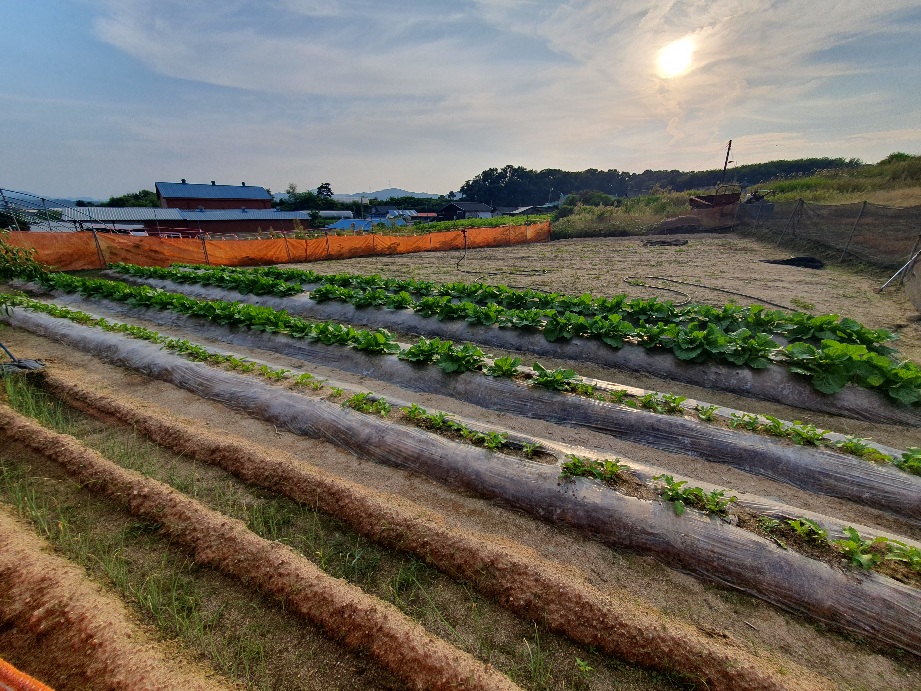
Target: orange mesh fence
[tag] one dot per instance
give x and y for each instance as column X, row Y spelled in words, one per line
column 350, row 246
column 248, row 252
column 73, row 251
column 148, row 251
column 316, row 250
column 61, row 251
column 14, row 680
column 451, row 240
column 386, row 244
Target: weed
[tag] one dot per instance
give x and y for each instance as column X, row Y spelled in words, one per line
column 335, row 392
column 366, row 403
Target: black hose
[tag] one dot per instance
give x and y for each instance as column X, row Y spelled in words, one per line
column 633, row 279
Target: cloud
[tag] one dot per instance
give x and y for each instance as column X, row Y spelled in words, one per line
column 382, row 88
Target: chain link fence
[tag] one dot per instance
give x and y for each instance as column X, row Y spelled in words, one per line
column 880, row 235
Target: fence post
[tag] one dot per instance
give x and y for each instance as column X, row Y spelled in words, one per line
column 791, row 222
column 9, row 208
column 204, row 248
column 102, row 258
column 327, row 244
column 47, row 217
column 853, row 230
column 285, row 238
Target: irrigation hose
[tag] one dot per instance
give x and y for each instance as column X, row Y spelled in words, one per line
column 641, row 280
column 522, row 272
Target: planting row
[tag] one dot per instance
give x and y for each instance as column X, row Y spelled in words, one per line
column 374, row 291
column 442, row 423
column 450, row 358
column 453, row 359
column 829, row 353
column 878, row 607
column 526, row 584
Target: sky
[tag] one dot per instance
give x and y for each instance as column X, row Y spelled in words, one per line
column 104, row 97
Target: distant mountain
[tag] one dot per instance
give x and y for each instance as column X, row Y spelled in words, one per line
column 383, row 195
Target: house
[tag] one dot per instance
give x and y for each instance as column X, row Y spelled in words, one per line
column 192, row 196
column 365, row 225
column 457, row 211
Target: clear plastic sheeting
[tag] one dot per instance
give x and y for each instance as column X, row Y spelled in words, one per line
column 773, row 383
column 876, row 607
column 815, row 470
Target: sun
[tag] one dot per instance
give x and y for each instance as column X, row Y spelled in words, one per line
column 675, row 58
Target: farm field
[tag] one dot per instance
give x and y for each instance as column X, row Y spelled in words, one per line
column 265, row 511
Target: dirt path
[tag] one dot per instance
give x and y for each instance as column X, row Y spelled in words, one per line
column 756, row 627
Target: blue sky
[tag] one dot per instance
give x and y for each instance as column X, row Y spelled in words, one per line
column 103, row 97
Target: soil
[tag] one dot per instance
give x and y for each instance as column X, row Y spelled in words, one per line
column 599, row 266
column 62, row 628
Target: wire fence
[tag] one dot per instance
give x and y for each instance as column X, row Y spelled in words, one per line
column 880, row 235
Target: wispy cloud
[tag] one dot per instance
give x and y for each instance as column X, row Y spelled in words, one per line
column 451, row 88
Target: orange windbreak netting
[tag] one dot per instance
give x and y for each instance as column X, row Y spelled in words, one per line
column 149, row 251
column 61, row 251
column 72, row 251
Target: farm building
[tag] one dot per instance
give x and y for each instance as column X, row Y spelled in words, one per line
column 456, row 211
column 184, row 195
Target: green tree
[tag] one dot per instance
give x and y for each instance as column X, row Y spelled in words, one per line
column 325, row 190
column 142, row 198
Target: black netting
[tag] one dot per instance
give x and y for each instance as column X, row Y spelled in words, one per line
column 880, row 235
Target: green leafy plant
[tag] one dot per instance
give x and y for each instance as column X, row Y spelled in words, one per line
column 861, row 552
column 745, row 421
column 414, row 412
column 607, row 470
column 682, row 496
column 802, row 434
column 900, row 552
column 530, row 448
column 809, row 530
column 559, row 379
column 504, row 367
column 456, row 360
column 705, row 412
column 910, row 461
column 426, row 350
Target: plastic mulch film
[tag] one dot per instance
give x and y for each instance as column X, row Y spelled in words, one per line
column 877, row 607
column 813, row 469
column 774, row 383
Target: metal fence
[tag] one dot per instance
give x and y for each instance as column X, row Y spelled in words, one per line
column 880, row 235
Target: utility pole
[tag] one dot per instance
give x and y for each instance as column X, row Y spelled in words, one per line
column 726, row 163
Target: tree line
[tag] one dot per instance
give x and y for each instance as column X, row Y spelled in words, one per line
column 518, row 186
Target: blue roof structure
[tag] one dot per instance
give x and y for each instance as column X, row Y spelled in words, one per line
column 185, row 190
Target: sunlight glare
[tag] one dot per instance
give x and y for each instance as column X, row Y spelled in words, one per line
column 675, row 58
